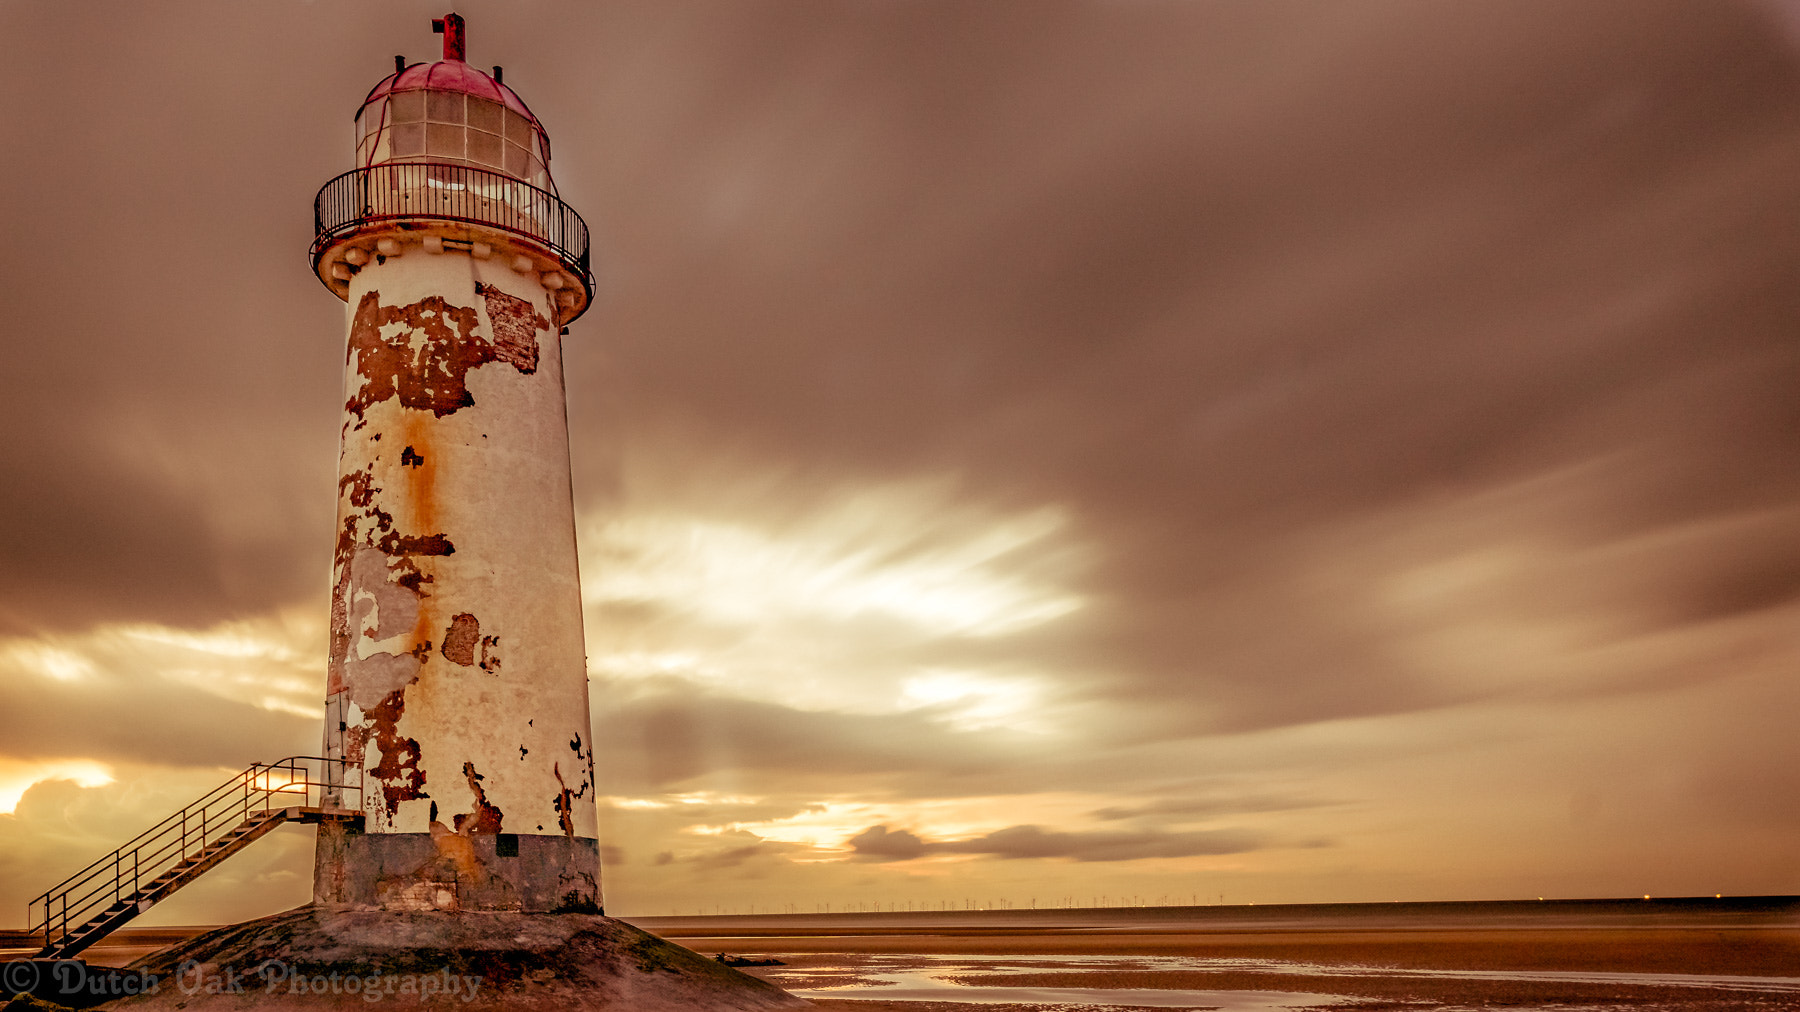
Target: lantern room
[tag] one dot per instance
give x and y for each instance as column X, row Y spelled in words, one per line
column 449, row 112
column 448, row 157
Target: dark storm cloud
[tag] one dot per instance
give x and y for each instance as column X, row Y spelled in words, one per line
column 878, row 843
column 1226, row 279
column 665, row 735
column 670, row 734
column 1213, row 277
column 170, row 382
column 1291, row 307
column 77, row 540
column 142, row 719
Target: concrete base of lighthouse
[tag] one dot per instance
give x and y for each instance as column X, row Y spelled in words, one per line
column 444, row 870
column 315, row 957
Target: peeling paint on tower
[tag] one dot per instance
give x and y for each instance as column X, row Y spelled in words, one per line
column 455, row 537
column 485, row 818
column 461, row 639
column 398, row 771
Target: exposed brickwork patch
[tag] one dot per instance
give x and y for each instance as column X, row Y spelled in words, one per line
column 515, row 326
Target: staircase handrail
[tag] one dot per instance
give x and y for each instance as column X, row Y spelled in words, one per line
column 185, row 834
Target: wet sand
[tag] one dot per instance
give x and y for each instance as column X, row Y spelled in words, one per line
column 1686, row 956
column 1392, row 979
column 1613, row 956
column 1750, row 952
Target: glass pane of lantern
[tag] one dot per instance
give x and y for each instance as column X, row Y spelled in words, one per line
column 518, row 128
column 444, row 106
column 484, row 148
column 408, row 139
column 443, row 139
column 485, row 115
column 406, row 107
column 516, row 160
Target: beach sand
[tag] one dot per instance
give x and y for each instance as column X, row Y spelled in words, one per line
column 1605, row 955
column 1615, row 971
column 1742, row 951
column 1684, row 961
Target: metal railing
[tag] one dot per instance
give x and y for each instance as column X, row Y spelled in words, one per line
column 397, row 190
column 257, row 793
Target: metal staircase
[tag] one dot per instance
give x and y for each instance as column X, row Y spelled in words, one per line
column 98, row 899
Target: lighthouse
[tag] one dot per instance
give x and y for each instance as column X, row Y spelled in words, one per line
column 456, row 705
column 457, row 862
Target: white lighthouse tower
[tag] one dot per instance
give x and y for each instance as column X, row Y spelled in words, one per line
column 457, row 692
column 457, row 859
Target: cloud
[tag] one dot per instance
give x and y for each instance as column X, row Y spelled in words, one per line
column 669, row 734
column 223, row 695
column 986, row 401
column 143, row 718
column 1187, row 809
column 878, row 843
column 1225, row 337
column 60, row 825
column 739, row 849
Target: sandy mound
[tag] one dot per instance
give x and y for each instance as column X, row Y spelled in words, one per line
column 319, row 958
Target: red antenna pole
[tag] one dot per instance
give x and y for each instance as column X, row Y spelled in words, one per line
column 450, row 26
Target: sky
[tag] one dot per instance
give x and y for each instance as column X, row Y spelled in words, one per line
column 1024, row 452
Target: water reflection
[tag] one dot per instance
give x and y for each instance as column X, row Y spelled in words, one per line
column 980, row 980
column 929, row 978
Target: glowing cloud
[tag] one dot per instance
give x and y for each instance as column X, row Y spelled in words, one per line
column 17, row 777
column 829, row 610
column 275, row 662
column 854, row 561
column 46, row 661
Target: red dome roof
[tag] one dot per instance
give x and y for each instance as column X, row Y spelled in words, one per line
column 454, row 75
